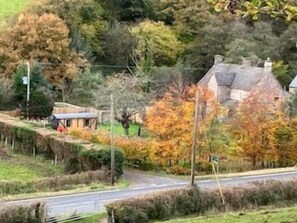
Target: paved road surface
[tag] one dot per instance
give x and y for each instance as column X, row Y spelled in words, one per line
column 95, row 201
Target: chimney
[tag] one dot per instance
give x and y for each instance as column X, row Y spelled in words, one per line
column 268, row 65
column 246, row 62
column 218, row 59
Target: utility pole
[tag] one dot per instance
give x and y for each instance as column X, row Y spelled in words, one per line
column 28, row 88
column 112, row 163
column 195, row 139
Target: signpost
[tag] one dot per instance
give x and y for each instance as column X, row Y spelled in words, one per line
column 214, row 160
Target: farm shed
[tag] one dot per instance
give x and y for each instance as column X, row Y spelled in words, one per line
column 74, row 120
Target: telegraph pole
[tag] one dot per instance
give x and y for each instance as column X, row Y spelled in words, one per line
column 195, row 139
column 112, row 162
column 28, row 88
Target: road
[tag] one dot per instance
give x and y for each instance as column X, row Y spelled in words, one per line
column 95, row 201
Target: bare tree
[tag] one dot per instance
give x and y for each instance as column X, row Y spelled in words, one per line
column 129, row 96
column 7, row 93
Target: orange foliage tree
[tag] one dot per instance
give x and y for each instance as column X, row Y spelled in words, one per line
column 44, row 39
column 134, row 148
column 171, row 120
column 258, row 120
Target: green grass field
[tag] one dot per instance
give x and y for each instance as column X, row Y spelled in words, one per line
column 280, row 215
column 25, row 168
column 9, row 7
column 119, row 130
column 92, row 219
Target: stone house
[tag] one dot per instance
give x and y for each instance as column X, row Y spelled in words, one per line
column 232, row 83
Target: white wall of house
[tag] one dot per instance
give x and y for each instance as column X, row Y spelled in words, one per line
column 238, row 95
column 213, row 86
column 292, row 90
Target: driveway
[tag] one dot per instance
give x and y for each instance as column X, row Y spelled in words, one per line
column 139, row 179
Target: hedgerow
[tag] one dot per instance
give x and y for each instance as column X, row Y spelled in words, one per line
column 187, row 201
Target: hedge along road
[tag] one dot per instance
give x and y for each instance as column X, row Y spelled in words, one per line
column 95, row 201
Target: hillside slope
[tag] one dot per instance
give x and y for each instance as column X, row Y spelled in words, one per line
column 11, row 7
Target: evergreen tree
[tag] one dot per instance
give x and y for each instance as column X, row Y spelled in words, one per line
column 41, row 101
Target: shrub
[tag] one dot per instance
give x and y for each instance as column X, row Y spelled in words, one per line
column 181, row 202
column 34, row 213
column 54, row 183
column 178, row 170
column 96, row 159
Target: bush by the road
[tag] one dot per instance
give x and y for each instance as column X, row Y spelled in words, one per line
column 66, row 182
column 34, row 213
column 92, row 159
column 182, row 202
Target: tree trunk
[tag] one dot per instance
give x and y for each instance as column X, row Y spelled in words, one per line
column 254, row 161
column 126, row 131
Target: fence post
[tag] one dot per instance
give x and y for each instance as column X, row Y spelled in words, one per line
column 56, row 159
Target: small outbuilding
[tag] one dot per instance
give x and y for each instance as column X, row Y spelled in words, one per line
column 74, row 120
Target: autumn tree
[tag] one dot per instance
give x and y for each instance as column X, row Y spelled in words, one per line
column 256, row 120
column 283, row 143
column 171, row 119
column 83, row 18
column 157, row 43
column 274, row 8
column 44, row 39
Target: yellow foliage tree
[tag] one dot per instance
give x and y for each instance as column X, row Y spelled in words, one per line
column 158, row 41
column 255, row 8
column 171, row 119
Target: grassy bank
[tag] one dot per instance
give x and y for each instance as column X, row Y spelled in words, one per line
column 280, row 215
column 119, row 130
column 96, row 218
column 8, row 8
column 24, row 168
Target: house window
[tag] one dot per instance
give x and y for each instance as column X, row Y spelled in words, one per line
column 68, row 122
column 87, row 122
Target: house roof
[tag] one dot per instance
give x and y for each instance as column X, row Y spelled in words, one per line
column 235, row 76
column 75, row 115
column 225, row 79
column 294, row 83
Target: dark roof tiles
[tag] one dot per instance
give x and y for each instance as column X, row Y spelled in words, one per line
column 235, row 76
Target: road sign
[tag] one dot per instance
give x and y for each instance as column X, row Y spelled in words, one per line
column 214, row 158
